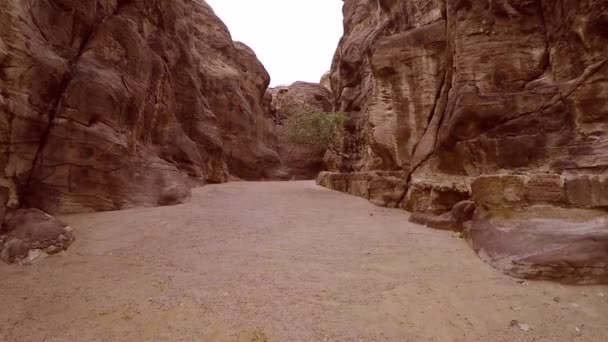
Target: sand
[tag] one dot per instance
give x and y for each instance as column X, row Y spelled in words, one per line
column 279, row 261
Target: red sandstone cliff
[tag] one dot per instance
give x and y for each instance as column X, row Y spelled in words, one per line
column 503, row 101
column 105, row 104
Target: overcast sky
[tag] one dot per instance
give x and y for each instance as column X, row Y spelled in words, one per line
column 295, row 39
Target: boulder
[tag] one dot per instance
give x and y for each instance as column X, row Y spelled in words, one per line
column 30, row 234
column 453, row 220
column 567, row 245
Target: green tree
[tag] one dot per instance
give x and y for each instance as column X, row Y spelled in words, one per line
column 310, row 128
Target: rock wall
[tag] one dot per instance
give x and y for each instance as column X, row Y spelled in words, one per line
column 298, row 162
column 105, row 104
column 501, row 101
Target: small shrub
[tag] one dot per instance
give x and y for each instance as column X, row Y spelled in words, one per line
column 313, row 129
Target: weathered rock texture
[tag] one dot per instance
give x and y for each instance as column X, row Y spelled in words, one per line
column 502, row 101
column 542, row 242
column 29, row 234
column 299, row 162
column 106, row 104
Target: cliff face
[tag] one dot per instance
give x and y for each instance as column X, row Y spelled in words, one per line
column 466, row 88
column 106, row 104
column 503, row 101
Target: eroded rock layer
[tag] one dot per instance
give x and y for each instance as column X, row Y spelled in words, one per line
column 106, row 104
column 502, row 101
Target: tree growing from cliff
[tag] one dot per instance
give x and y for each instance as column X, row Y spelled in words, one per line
column 307, row 127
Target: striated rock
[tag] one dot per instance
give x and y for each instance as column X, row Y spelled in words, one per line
column 30, row 234
column 589, row 191
column 469, row 88
column 299, row 162
column 503, row 101
column 434, row 198
column 567, row 245
column 385, row 189
column 454, row 220
column 103, row 104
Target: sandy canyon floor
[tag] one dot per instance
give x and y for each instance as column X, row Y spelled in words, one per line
column 281, row 262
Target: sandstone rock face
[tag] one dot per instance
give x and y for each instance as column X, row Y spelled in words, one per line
column 104, row 104
column 540, row 242
column 467, row 88
column 30, row 234
column 298, row 162
column 503, row 102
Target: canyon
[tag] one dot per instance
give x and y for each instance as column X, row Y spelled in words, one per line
column 485, row 119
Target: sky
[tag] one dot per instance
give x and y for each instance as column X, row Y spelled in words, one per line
column 294, row 39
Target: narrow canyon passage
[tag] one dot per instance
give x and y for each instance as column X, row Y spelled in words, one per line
column 281, row 262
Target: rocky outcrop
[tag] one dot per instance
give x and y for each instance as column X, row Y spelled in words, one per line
column 30, row 234
column 299, row 162
column 503, row 102
column 109, row 104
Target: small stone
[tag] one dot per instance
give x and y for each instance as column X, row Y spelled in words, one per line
column 601, row 295
column 514, row 323
column 556, row 299
column 524, row 327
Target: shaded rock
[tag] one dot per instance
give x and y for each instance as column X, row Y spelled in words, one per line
column 453, row 220
column 568, row 245
column 103, row 102
column 464, row 211
column 299, row 162
column 30, row 233
column 444, row 221
column 385, row 189
column 3, row 202
column 433, row 198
